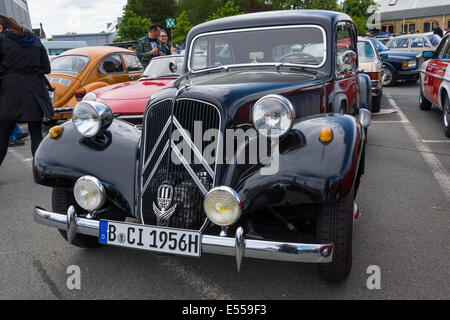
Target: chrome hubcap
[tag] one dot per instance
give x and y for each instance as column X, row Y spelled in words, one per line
column 447, row 115
column 387, row 76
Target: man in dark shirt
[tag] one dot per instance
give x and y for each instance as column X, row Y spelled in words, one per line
column 150, row 46
column 437, row 30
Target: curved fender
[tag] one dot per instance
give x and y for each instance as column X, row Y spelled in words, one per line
column 309, row 171
column 365, row 99
column 60, row 163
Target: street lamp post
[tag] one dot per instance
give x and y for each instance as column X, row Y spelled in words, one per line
column 345, row 6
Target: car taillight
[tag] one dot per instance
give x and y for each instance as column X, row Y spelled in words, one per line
column 79, row 94
column 374, row 76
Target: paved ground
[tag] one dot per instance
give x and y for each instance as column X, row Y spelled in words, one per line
column 404, row 230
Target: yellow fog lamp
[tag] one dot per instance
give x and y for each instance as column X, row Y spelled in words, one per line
column 223, row 206
column 56, row 132
column 326, row 135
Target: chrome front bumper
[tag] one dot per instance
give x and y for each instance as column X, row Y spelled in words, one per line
column 238, row 246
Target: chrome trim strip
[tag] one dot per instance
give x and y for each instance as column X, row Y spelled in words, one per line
column 193, row 147
column 161, row 156
column 268, row 250
column 434, row 75
column 257, row 29
column 189, row 169
column 64, row 110
column 137, row 116
column 161, row 136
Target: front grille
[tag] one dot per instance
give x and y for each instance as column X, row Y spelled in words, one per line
column 306, row 105
column 190, row 183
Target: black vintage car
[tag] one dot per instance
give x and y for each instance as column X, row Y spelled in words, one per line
column 195, row 180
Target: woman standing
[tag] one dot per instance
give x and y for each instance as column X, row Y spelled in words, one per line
column 164, row 38
column 24, row 93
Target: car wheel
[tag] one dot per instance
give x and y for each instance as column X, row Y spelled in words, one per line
column 388, row 77
column 376, row 104
column 61, row 201
column 447, row 116
column 335, row 225
column 424, row 104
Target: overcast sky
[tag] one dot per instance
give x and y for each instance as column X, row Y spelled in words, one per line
column 80, row 16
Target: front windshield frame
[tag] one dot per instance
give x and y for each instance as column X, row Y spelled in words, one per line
column 325, row 43
column 68, row 56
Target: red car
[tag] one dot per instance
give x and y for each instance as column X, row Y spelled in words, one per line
column 435, row 81
column 128, row 100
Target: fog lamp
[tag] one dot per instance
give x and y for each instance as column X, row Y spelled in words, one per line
column 223, row 206
column 89, row 193
column 326, row 135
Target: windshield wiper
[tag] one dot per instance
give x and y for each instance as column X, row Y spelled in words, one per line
column 297, row 68
column 207, row 70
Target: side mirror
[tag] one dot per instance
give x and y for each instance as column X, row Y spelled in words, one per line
column 428, row 54
column 173, row 66
column 384, row 56
column 348, row 58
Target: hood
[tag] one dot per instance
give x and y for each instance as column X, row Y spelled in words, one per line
column 141, row 89
column 399, row 54
column 236, row 91
column 24, row 42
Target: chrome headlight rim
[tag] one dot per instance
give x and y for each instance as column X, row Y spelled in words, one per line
column 90, row 96
column 102, row 117
column 100, row 188
column 231, row 192
column 290, row 108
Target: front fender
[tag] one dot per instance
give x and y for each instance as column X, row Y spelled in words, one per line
column 309, row 171
column 60, row 163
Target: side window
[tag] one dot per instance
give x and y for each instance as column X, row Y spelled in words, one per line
column 344, row 42
column 132, row 63
column 417, row 42
column 199, row 55
column 111, row 64
column 401, row 43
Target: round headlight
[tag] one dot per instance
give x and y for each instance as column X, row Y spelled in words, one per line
column 90, row 97
column 89, row 193
column 90, row 117
column 223, row 206
column 273, row 116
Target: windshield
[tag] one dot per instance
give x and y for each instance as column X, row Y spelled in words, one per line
column 434, row 39
column 302, row 45
column 378, row 45
column 159, row 67
column 70, row 63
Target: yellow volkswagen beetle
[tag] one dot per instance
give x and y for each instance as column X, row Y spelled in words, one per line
column 77, row 72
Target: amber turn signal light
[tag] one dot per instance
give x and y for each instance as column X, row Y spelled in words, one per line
column 326, row 135
column 56, row 132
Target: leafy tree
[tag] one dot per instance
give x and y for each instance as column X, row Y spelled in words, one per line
column 228, row 10
column 357, row 9
column 199, row 11
column 132, row 27
column 183, row 26
column 157, row 10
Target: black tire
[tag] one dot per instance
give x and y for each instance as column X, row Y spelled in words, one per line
column 335, row 225
column 446, row 113
column 61, row 201
column 376, row 104
column 424, row 103
column 389, row 78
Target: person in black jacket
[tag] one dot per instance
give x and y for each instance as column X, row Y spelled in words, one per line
column 437, row 30
column 24, row 89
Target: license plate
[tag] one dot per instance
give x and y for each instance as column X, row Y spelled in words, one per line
column 149, row 238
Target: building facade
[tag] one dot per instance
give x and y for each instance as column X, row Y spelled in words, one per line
column 414, row 16
column 18, row 10
column 92, row 39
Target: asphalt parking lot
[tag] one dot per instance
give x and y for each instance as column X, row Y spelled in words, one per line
column 404, row 229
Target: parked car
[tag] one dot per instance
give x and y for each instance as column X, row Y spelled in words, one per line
column 435, row 82
column 79, row 71
column 414, row 42
column 190, row 194
column 398, row 66
column 128, row 100
column 370, row 64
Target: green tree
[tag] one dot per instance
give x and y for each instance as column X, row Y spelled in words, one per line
column 357, row 9
column 228, row 10
column 182, row 28
column 132, row 27
column 199, row 11
column 157, row 10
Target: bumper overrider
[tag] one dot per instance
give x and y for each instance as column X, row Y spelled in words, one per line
column 238, row 246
